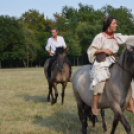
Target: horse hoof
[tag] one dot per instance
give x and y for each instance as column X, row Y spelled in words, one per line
column 53, row 102
column 105, row 130
column 83, row 131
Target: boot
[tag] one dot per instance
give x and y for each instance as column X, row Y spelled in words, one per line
column 49, row 76
column 94, row 105
column 70, row 76
column 70, row 79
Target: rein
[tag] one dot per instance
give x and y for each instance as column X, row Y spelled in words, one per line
column 58, row 64
column 124, row 68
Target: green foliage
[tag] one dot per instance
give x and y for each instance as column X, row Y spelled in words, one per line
column 24, row 39
column 11, row 38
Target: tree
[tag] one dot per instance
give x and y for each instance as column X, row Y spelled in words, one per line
column 11, row 39
column 31, row 46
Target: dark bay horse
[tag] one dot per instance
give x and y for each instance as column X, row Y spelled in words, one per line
column 59, row 74
column 117, row 92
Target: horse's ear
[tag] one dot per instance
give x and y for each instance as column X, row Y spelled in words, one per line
column 67, row 49
column 129, row 48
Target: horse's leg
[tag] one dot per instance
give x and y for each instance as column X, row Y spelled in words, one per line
column 56, row 93
column 94, row 117
column 80, row 106
column 115, row 123
column 84, row 121
column 63, row 91
column 125, row 124
column 50, row 92
column 119, row 116
column 103, row 120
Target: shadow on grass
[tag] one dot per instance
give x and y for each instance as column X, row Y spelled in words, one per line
column 61, row 121
column 35, row 99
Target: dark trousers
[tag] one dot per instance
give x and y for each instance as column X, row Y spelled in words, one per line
column 52, row 59
column 70, row 66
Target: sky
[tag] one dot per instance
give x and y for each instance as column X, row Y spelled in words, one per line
column 48, row 7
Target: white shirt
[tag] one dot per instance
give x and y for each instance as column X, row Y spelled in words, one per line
column 54, row 44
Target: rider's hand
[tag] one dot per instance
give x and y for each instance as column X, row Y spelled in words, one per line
column 51, row 54
column 108, row 52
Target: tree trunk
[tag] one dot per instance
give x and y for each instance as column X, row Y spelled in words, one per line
column 27, row 59
column 81, row 60
column 24, row 63
column 77, row 61
column 0, row 63
column 70, row 59
column 74, row 61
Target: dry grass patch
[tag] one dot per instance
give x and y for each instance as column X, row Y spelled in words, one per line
column 24, row 108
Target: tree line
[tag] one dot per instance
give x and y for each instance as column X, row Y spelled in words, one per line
column 23, row 40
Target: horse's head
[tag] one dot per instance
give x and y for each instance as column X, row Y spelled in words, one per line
column 61, row 54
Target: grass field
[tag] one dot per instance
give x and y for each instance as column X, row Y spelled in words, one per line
column 24, row 108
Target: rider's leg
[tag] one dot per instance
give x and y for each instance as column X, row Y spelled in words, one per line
column 52, row 59
column 97, row 91
column 94, row 104
column 70, row 66
column 130, row 105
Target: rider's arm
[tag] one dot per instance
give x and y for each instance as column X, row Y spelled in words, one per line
column 50, row 53
column 95, row 48
column 48, row 47
column 63, row 43
column 107, row 51
column 124, row 40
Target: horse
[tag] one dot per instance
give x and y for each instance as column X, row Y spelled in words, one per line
column 116, row 94
column 59, row 74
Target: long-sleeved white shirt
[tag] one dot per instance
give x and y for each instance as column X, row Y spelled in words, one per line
column 54, row 44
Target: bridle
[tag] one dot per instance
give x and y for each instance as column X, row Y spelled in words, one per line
column 123, row 68
column 58, row 63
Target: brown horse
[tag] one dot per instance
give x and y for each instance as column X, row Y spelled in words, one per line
column 59, row 74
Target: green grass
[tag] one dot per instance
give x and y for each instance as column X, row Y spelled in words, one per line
column 24, row 108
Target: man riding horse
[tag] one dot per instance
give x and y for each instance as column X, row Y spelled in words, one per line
column 54, row 42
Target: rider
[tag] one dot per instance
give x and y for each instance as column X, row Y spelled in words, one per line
column 105, row 43
column 54, row 42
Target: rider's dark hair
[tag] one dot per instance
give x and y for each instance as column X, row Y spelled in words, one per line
column 54, row 29
column 106, row 22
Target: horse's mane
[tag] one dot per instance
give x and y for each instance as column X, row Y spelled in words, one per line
column 127, row 57
column 59, row 50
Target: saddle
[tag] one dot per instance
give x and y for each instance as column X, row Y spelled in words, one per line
column 100, row 57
